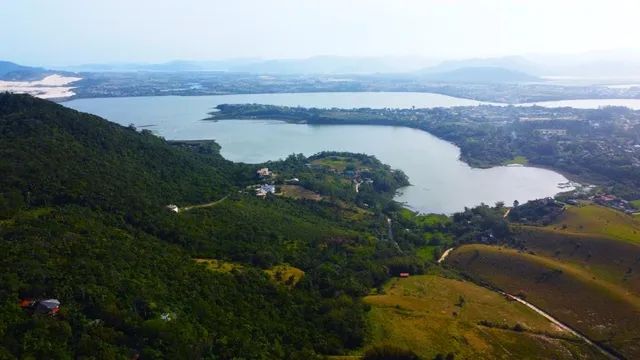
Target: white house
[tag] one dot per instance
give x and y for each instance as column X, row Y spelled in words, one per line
column 173, row 208
column 265, row 189
column 264, row 172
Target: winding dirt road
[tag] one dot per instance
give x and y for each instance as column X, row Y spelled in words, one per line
column 555, row 321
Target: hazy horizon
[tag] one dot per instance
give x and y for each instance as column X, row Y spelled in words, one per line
column 39, row 32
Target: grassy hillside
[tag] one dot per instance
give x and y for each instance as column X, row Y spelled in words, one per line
column 614, row 261
column 598, row 308
column 598, row 220
column 597, row 239
column 433, row 315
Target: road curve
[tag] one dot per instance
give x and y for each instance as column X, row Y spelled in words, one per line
column 555, row 321
column 561, row 325
column 444, row 255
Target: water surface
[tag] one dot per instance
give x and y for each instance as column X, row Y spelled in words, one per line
column 441, row 182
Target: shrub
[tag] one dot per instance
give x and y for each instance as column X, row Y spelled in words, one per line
column 389, row 352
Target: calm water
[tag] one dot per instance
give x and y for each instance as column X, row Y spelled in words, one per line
column 441, row 183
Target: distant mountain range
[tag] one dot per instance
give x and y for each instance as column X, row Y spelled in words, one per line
column 599, row 65
column 13, row 71
column 312, row 65
column 503, row 70
column 480, row 74
column 509, row 63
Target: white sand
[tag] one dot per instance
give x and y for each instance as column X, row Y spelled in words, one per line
column 52, row 86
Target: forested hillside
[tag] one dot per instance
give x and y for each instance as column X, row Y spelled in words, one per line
column 300, row 272
column 83, row 219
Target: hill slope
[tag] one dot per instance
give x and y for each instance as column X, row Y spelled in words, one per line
column 58, row 156
column 83, row 220
column 13, row 71
column 582, row 268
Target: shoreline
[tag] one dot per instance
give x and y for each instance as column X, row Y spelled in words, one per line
column 569, row 176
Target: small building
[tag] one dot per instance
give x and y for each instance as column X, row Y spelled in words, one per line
column 404, row 274
column 48, row 306
column 265, row 189
column 552, row 132
column 167, row 316
column 264, row 172
column 173, row 207
column 293, row 180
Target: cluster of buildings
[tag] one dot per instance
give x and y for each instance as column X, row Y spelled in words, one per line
column 263, row 190
column 551, row 132
column 615, row 202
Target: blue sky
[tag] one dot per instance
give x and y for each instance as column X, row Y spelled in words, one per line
column 82, row 31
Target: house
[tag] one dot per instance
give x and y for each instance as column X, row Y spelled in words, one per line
column 167, row 316
column 264, row 172
column 48, row 306
column 265, row 189
column 173, row 207
column 552, row 132
column 404, row 274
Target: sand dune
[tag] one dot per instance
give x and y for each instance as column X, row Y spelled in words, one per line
column 50, row 87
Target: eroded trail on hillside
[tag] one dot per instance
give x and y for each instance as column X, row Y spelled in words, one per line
column 560, row 324
column 546, row 315
column 444, row 255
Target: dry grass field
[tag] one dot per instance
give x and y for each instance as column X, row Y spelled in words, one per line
column 604, row 311
column 432, row 315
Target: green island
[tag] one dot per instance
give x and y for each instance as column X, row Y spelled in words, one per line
column 160, row 249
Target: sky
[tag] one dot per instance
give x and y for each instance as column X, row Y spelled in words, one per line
column 71, row 32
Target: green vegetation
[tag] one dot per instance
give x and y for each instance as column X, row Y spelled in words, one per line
column 520, row 160
column 299, row 192
column 605, row 258
column 83, row 219
column 219, row 266
column 432, row 315
column 335, row 175
column 578, row 263
column 599, row 220
column 389, row 352
column 537, row 212
column 285, row 275
column 596, row 307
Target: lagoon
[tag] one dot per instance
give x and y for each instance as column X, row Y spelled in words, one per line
column 441, row 182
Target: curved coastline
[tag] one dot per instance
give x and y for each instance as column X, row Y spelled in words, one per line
column 438, row 165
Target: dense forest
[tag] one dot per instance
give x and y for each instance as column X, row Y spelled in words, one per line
column 84, row 219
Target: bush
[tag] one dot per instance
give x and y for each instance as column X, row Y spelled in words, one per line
column 389, row 352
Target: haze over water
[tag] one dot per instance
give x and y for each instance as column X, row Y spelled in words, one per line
column 441, row 182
